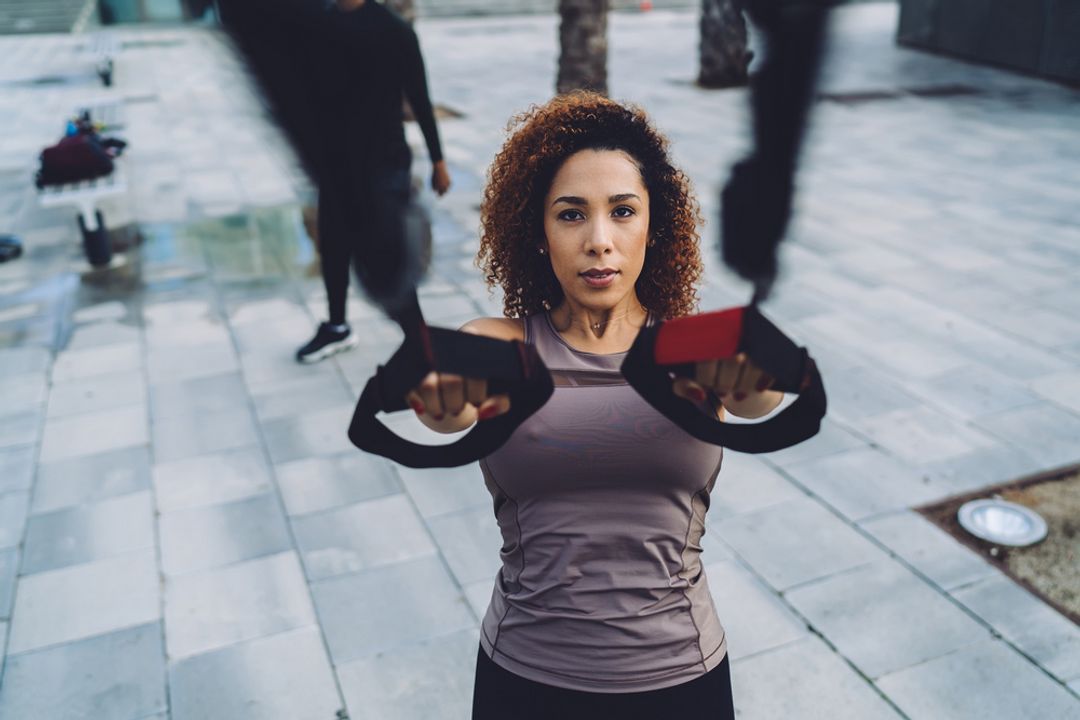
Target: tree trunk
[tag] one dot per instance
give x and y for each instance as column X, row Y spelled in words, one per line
column 582, row 45
column 723, row 55
column 404, row 8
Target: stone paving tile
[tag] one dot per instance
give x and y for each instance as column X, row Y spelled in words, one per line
column 215, row 608
column 1060, row 388
column 9, row 566
column 281, row 677
column 292, row 397
column 221, row 477
column 478, row 595
column 1028, row 623
column 100, row 334
column 980, row 681
column 805, row 680
column 14, row 507
column 971, row 391
column 107, row 360
column 198, row 396
column 323, row 483
column 202, row 538
column 929, row 550
column 1045, row 431
column 97, row 531
column 170, row 365
column 23, row 393
column 982, row 468
column 377, row 610
column 796, row 542
column 883, row 618
column 746, row 484
column 317, row 433
column 24, row 360
column 865, row 482
column 923, row 435
column 91, row 478
column 755, row 619
column 431, row 679
column 469, row 541
column 95, row 394
column 184, row 436
column 77, row 602
column 93, row 433
column 438, row 491
column 832, row 438
column 20, row 428
column 361, row 536
column 120, row 675
column 16, row 468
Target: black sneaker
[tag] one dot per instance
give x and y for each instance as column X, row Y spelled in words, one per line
column 327, row 341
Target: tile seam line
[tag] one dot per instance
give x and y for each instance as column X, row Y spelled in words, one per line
column 926, row 580
column 253, row 228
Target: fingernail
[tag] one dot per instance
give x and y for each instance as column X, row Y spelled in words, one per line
column 696, row 394
column 439, row 417
column 417, row 406
column 722, row 393
column 740, row 396
column 488, row 412
column 763, row 383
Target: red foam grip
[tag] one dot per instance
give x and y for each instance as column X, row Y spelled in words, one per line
column 710, row 336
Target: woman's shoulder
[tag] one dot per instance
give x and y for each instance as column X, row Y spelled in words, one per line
column 498, row 328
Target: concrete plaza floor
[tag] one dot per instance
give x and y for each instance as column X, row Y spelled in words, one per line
column 186, row 533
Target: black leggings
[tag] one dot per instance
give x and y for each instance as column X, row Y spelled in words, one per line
column 349, row 231
column 499, row 694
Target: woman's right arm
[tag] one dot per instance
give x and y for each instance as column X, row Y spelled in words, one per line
column 451, row 403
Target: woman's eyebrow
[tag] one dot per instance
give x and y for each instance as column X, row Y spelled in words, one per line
column 575, row 200
column 570, row 199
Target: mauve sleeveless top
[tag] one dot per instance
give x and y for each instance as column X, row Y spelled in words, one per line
column 601, row 502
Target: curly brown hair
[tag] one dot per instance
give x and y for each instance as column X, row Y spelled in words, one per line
column 511, row 214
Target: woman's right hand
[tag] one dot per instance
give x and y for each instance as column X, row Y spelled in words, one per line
column 450, row 403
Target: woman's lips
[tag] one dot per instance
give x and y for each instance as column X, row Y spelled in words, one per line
column 599, row 279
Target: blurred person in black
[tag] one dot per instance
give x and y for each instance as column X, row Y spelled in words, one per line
column 372, row 63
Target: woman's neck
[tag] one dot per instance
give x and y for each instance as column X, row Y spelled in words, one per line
column 602, row 331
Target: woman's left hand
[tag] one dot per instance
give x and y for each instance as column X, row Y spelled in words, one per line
column 741, row 386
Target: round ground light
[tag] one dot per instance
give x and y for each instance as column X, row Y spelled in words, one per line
column 1002, row 522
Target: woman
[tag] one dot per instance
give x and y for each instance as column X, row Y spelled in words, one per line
column 601, row 608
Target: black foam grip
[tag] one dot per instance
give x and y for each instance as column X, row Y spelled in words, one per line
column 509, row 366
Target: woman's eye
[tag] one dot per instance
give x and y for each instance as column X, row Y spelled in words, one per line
column 571, row 215
column 623, row 211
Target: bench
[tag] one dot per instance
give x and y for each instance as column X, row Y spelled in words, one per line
column 84, row 196
column 108, row 113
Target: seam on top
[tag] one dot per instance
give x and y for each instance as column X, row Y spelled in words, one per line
column 568, row 346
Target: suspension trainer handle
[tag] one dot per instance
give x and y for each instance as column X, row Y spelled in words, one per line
column 672, row 347
column 510, row 367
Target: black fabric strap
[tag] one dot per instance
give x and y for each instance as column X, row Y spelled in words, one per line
column 509, row 366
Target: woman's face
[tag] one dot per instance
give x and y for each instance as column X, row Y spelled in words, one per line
column 596, row 225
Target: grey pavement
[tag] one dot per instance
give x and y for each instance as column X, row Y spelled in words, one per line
column 185, row 531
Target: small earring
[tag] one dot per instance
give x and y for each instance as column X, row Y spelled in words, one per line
column 540, row 250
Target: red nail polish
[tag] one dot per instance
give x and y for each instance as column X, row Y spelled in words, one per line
column 487, row 413
column 439, row 417
column 417, row 406
column 696, row 394
column 740, row 396
column 721, row 394
column 763, row 384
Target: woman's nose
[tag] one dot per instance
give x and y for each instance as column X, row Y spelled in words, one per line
column 599, row 239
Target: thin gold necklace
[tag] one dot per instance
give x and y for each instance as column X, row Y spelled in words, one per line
column 598, row 325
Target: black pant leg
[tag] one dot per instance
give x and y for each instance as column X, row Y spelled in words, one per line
column 334, row 253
